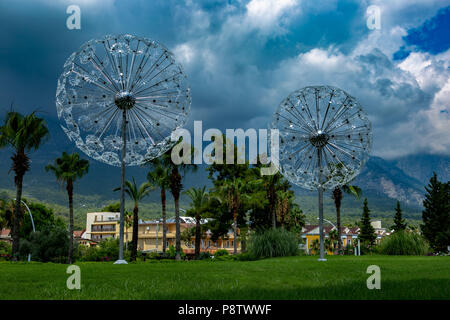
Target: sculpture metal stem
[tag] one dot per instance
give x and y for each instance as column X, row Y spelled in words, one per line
column 122, row 188
column 320, row 189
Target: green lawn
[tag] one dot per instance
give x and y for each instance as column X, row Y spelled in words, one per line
column 282, row 278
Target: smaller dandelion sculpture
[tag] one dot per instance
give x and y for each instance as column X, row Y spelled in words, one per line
column 119, row 99
column 325, row 139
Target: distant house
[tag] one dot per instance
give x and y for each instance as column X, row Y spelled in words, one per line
column 78, row 236
column 311, row 233
column 348, row 235
column 5, row 235
column 379, row 231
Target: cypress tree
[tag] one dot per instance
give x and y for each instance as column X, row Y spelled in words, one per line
column 399, row 222
column 436, row 214
column 367, row 232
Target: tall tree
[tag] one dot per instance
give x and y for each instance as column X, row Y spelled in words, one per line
column 112, row 207
column 330, row 242
column 436, row 214
column 233, row 192
column 136, row 194
column 399, row 222
column 67, row 169
column 23, row 134
column 367, row 232
column 274, row 185
column 176, row 174
column 128, row 222
column 199, row 201
column 159, row 176
column 337, row 195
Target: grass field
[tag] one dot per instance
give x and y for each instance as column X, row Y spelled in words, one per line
column 301, row 277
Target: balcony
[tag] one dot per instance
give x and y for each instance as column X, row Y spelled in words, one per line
column 103, row 228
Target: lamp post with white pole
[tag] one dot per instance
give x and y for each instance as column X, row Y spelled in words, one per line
column 32, row 223
column 329, row 222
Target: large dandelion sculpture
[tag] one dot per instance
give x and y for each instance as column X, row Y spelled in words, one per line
column 325, row 139
column 119, row 99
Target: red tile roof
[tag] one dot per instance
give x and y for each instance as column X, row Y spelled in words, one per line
column 5, row 232
column 328, row 228
column 78, row 233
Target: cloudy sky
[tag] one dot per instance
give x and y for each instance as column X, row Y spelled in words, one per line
column 243, row 57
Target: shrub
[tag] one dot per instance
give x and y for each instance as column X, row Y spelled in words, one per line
column 273, row 243
column 349, row 249
column 154, row 256
column 224, row 258
column 5, row 250
column 245, row 257
column 205, row 256
column 107, row 250
column 171, row 253
column 221, row 252
column 49, row 244
column 403, row 243
column 88, row 254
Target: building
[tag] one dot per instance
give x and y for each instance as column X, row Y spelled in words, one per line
column 79, row 237
column 5, row 235
column 379, row 231
column 103, row 225
column 150, row 237
column 311, row 233
column 348, row 235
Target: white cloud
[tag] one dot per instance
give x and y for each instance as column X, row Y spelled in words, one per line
column 266, row 14
column 184, row 53
column 408, row 103
column 431, row 72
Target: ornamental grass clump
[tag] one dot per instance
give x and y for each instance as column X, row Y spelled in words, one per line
column 403, row 243
column 273, row 243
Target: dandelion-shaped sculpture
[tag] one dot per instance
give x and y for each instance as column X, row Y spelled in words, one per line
column 119, row 99
column 325, row 139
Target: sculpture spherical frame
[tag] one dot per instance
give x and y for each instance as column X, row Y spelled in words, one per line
column 325, row 137
column 116, row 73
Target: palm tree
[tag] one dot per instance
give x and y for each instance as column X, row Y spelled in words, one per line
column 67, row 169
column 160, row 177
column 283, row 205
column 176, row 173
column 128, row 223
column 270, row 182
column 333, row 237
column 23, row 134
column 136, row 194
column 315, row 246
column 337, row 196
column 233, row 191
column 200, row 200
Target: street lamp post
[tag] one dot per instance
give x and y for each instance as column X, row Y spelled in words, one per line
column 32, row 223
column 157, row 231
column 328, row 222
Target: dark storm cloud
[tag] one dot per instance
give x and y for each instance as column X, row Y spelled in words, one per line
column 241, row 57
